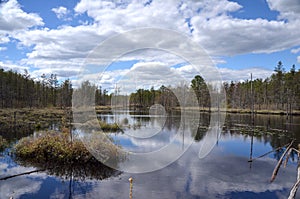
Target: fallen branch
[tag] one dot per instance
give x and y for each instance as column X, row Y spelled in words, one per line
column 287, row 157
column 294, row 190
column 21, row 174
column 296, row 185
column 274, row 174
column 296, row 150
column 268, row 153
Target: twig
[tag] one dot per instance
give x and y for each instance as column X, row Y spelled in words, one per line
column 20, row 174
column 296, row 150
column 287, row 157
column 130, row 187
column 268, row 153
column 274, row 174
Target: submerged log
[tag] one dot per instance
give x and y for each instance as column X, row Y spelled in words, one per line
column 296, row 185
column 21, row 174
column 294, row 189
column 263, row 155
column 287, row 157
column 274, row 174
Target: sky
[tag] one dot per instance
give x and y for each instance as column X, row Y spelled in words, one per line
column 240, row 36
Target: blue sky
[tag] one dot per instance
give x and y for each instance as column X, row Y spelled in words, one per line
column 240, row 36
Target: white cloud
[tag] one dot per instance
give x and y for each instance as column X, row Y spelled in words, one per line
column 13, row 67
column 144, row 75
column 61, row 49
column 298, row 59
column 215, row 176
column 209, row 23
column 295, row 50
column 212, row 25
column 4, row 38
column 13, row 18
column 244, row 74
column 224, row 35
column 289, row 9
column 23, row 185
column 3, row 48
column 133, row 14
column 61, row 13
column 63, row 72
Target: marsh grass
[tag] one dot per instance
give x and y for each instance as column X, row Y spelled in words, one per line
column 106, row 127
column 53, row 147
column 57, row 148
column 59, row 156
column 35, row 118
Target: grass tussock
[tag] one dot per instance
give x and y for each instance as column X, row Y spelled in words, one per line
column 60, row 156
column 106, row 127
column 52, row 147
column 100, row 125
column 59, row 149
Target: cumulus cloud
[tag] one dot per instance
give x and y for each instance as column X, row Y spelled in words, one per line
column 3, row 48
column 133, row 14
column 13, row 18
column 215, row 176
column 13, row 67
column 244, row 74
column 61, row 13
column 23, row 185
column 144, row 75
column 62, row 49
column 209, row 23
column 4, row 38
column 289, row 9
column 295, row 50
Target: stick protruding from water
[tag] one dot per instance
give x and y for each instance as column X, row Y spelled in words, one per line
column 130, row 187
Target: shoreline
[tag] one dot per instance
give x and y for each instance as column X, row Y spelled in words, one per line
column 247, row 111
column 58, row 112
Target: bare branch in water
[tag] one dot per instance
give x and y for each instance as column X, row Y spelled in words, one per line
column 280, row 162
column 21, row 174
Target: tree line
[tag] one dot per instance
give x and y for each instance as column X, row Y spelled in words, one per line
column 20, row 90
column 280, row 91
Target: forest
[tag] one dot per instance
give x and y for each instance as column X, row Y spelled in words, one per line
column 280, row 91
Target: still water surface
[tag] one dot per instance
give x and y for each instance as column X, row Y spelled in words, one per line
column 224, row 173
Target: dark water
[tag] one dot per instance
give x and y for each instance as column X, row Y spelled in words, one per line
column 224, row 173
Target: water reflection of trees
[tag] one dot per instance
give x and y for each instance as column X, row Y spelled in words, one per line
column 269, row 129
column 272, row 129
column 15, row 132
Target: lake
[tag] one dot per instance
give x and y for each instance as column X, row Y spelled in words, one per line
column 224, row 172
